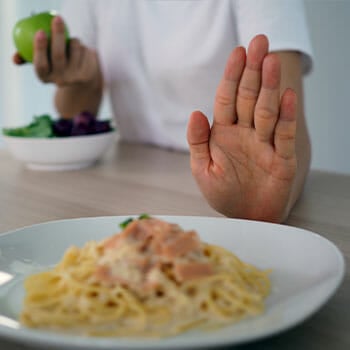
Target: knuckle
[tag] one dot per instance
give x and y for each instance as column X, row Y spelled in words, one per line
column 289, row 156
column 247, row 93
column 59, row 81
column 58, row 57
column 59, row 78
column 224, row 100
column 68, row 79
column 74, row 57
column 74, row 44
column 266, row 113
column 45, row 78
column 41, row 69
column 285, row 136
column 80, row 78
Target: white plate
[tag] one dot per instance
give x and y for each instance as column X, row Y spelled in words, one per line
column 307, row 269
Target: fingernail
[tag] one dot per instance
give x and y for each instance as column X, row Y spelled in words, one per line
column 40, row 35
column 58, row 20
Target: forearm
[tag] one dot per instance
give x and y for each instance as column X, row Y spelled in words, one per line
column 78, row 97
column 291, row 66
column 303, row 153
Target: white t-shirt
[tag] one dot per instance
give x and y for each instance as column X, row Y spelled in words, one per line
column 162, row 59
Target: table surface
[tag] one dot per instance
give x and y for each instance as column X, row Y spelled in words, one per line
column 133, row 179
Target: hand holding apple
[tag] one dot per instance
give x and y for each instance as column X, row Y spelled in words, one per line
column 26, row 28
column 43, row 40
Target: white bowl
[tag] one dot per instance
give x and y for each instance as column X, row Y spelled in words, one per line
column 60, row 153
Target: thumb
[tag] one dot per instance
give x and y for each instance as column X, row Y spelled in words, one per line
column 198, row 135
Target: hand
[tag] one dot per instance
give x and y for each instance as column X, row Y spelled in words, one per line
column 245, row 164
column 65, row 66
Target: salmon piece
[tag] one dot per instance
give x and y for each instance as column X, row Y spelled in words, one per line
column 112, row 242
column 136, row 255
column 140, row 231
column 133, row 232
column 182, row 244
column 136, row 231
column 192, row 270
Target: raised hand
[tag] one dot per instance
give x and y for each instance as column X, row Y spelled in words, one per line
column 245, row 163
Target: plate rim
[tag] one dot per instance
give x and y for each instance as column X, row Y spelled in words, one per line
column 49, row 339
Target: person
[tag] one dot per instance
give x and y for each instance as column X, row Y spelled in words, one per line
column 168, row 64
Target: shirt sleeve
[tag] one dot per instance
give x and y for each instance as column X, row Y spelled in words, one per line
column 284, row 22
column 80, row 20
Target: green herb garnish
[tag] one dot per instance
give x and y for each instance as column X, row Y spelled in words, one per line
column 144, row 216
column 125, row 223
column 129, row 220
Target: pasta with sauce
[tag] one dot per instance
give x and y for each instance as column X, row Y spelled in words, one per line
column 152, row 279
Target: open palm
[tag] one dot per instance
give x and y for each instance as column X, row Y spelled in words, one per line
column 245, row 163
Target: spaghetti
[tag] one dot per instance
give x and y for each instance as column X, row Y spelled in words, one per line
column 152, row 279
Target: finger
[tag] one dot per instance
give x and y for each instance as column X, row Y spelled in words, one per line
column 58, row 46
column 198, row 133
column 75, row 53
column 75, row 57
column 267, row 106
column 285, row 130
column 225, row 99
column 40, row 60
column 250, row 83
column 17, row 59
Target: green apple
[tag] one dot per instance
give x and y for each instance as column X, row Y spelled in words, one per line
column 25, row 29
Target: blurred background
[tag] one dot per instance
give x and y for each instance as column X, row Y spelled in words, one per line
column 327, row 89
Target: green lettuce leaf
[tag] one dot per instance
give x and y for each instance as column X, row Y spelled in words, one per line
column 40, row 127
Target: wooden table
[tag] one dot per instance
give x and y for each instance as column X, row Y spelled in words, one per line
column 133, row 179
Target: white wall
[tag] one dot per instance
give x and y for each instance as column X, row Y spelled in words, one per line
column 327, row 88
column 22, row 95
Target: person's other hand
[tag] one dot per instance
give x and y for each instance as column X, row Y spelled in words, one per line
column 65, row 65
column 245, row 163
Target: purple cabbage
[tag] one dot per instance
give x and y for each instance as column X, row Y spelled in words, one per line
column 83, row 123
